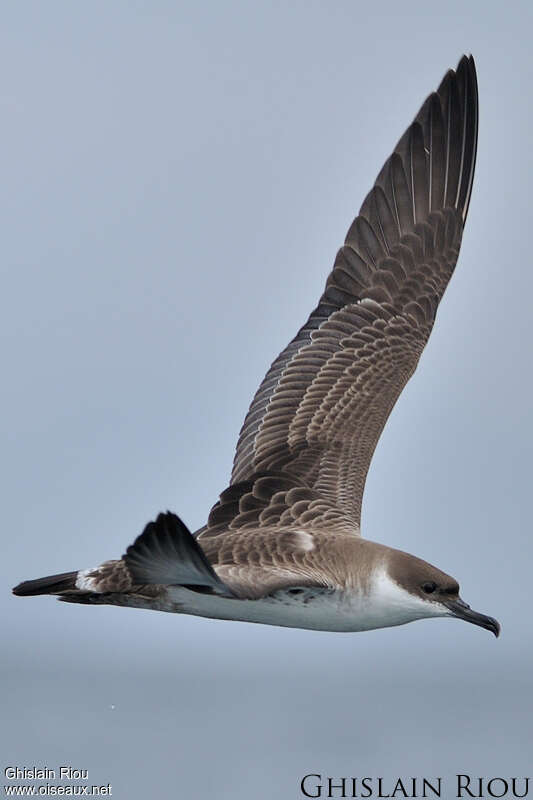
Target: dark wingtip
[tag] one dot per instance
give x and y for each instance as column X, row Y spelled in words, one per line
column 167, row 553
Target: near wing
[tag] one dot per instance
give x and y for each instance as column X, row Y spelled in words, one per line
column 320, row 410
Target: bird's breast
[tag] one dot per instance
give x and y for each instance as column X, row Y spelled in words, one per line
column 297, row 607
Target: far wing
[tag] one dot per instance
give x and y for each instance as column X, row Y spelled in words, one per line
column 320, row 410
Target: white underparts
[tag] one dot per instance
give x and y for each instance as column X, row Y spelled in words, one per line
column 385, row 604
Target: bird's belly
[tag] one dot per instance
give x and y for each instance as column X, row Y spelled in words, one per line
column 314, row 609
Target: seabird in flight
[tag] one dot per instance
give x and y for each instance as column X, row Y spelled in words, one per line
column 282, row 545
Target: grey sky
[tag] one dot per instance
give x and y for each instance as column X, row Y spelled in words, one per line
column 176, row 180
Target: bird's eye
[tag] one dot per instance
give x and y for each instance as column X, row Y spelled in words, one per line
column 429, row 587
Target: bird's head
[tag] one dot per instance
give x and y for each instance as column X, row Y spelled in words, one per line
column 425, row 591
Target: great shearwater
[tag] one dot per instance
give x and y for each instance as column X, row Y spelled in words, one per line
column 282, row 545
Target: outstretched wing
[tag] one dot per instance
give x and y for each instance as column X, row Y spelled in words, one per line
column 320, row 410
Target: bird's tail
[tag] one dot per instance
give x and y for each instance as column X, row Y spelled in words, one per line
column 165, row 554
column 50, row 584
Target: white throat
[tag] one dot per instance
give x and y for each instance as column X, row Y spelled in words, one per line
column 393, row 605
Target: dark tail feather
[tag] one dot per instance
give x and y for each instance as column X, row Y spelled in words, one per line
column 51, row 584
